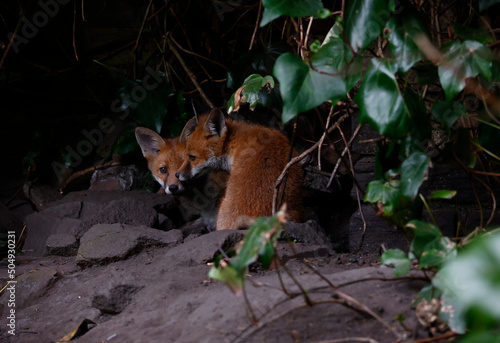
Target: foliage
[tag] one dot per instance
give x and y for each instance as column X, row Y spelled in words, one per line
column 392, row 100
column 258, row 244
column 149, row 105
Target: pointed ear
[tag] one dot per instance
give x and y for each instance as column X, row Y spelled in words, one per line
column 216, row 123
column 188, row 129
column 151, row 143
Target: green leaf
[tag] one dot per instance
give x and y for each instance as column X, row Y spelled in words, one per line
column 303, row 88
column 437, row 252
column 442, row 194
column 391, row 116
column 335, row 31
column 448, row 112
column 485, row 4
column 293, row 8
column 427, row 293
column 380, row 191
column 234, row 279
column 471, row 285
column 424, row 234
column 403, row 29
column 264, row 231
column 399, row 259
column 463, row 60
column 364, row 21
column 251, row 92
column 413, row 172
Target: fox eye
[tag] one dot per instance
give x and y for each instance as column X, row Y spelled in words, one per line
column 163, row 170
column 192, row 158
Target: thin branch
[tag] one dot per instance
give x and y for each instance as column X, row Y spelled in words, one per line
column 256, row 26
column 300, row 157
column 337, row 165
column 188, row 72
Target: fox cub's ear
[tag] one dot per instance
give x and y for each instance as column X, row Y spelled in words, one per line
column 151, row 143
column 188, row 129
column 216, row 123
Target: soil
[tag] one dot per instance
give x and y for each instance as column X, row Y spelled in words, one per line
column 131, row 283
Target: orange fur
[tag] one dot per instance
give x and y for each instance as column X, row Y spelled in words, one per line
column 254, row 155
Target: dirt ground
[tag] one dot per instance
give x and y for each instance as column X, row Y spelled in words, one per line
column 159, row 290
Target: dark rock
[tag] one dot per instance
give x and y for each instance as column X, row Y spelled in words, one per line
column 41, row 226
column 8, row 223
column 308, row 233
column 194, row 228
column 206, row 247
column 62, row 245
column 123, row 178
column 105, row 243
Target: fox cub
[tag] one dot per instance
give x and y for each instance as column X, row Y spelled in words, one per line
column 253, row 155
column 165, row 157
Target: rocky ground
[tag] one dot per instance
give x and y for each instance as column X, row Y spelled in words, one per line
column 143, row 284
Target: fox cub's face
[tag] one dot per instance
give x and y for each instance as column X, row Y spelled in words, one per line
column 204, row 139
column 164, row 157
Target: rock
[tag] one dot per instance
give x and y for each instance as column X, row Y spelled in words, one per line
column 194, row 228
column 105, row 243
column 8, row 223
column 206, row 247
column 62, row 245
column 309, row 233
column 41, row 226
column 79, row 211
column 123, row 178
column 35, row 284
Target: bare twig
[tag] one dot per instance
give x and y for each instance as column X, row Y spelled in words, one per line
column 300, row 157
column 324, row 136
column 142, row 25
column 256, row 26
column 337, row 165
column 188, row 72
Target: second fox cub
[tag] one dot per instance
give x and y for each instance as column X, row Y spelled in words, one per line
column 254, row 156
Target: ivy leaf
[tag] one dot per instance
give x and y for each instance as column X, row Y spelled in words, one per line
column 382, row 192
column 413, row 172
column 437, row 252
column 463, row 60
column 234, row 279
column 303, row 88
column 250, row 92
column 293, row 8
column 448, row 112
column 427, row 293
column 442, row 194
column 424, row 233
column 397, row 258
column 470, row 285
column 391, row 116
column 364, row 21
column 402, row 29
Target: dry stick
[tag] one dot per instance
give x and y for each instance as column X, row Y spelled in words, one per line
column 256, row 26
column 189, row 72
column 74, row 29
column 300, row 157
column 357, row 190
column 197, row 55
column 308, row 30
column 490, row 219
column 142, row 25
column 337, row 165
